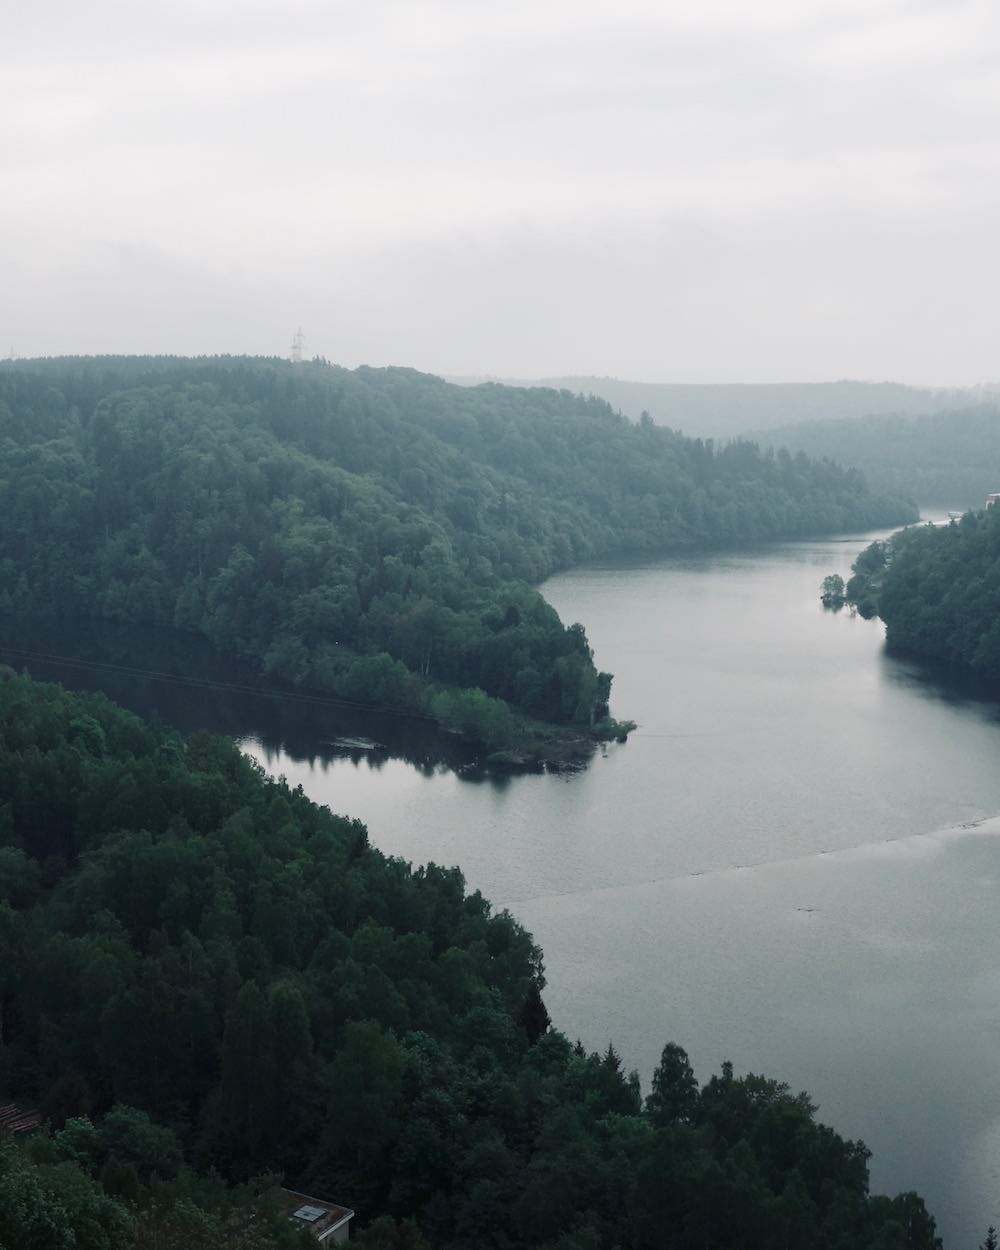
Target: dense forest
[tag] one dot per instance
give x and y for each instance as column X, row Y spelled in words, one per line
column 937, row 587
column 373, row 533
column 210, row 985
column 947, row 458
column 731, row 410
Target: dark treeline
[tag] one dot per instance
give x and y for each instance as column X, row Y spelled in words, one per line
column 374, row 532
column 938, row 590
column 948, row 458
column 182, row 680
column 204, row 978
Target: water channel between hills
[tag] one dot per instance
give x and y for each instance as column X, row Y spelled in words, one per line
column 792, row 864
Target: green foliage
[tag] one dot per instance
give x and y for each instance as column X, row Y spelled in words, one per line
column 369, row 533
column 50, row 1198
column 56, row 1206
column 534, row 1018
column 833, row 591
column 675, row 1091
column 938, row 590
column 207, row 977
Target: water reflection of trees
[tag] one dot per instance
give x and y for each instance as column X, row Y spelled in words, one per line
column 181, row 681
column 952, row 686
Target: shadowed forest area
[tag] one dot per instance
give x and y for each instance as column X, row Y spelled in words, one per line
column 209, row 984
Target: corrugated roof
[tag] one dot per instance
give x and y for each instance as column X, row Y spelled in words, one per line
column 14, row 1119
column 316, row 1214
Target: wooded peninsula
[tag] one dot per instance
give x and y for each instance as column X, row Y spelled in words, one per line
column 211, row 987
column 937, row 588
column 373, row 533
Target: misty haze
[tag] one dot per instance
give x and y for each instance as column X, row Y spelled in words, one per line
column 499, row 645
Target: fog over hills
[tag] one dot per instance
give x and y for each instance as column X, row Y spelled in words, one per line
column 725, row 410
column 949, row 458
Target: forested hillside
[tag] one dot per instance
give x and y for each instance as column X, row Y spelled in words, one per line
column 217, row 974
column 938, row 590
column 947, row 458
column 373, row 533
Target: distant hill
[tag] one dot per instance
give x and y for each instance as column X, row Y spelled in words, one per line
column 949, row 458
column 726, row 410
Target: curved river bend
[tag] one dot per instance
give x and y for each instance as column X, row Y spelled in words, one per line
column 792, row 864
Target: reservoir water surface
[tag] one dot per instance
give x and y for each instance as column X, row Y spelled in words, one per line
column 793, row 864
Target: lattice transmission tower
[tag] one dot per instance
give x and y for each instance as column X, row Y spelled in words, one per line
column 298, row 338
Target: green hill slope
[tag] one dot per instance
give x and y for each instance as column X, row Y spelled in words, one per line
column 373, row 533
column 222, row 975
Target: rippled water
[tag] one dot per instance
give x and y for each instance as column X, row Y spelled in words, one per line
column 792, row 864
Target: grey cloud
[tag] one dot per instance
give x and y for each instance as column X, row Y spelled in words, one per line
column 721, row 191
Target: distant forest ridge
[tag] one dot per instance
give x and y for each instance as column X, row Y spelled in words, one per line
column 374, row 533
column 949, row 458
column 727, row 410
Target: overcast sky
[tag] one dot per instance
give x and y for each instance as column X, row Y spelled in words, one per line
column 713, row 190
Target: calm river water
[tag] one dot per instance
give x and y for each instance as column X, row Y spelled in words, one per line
column 792, row 864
